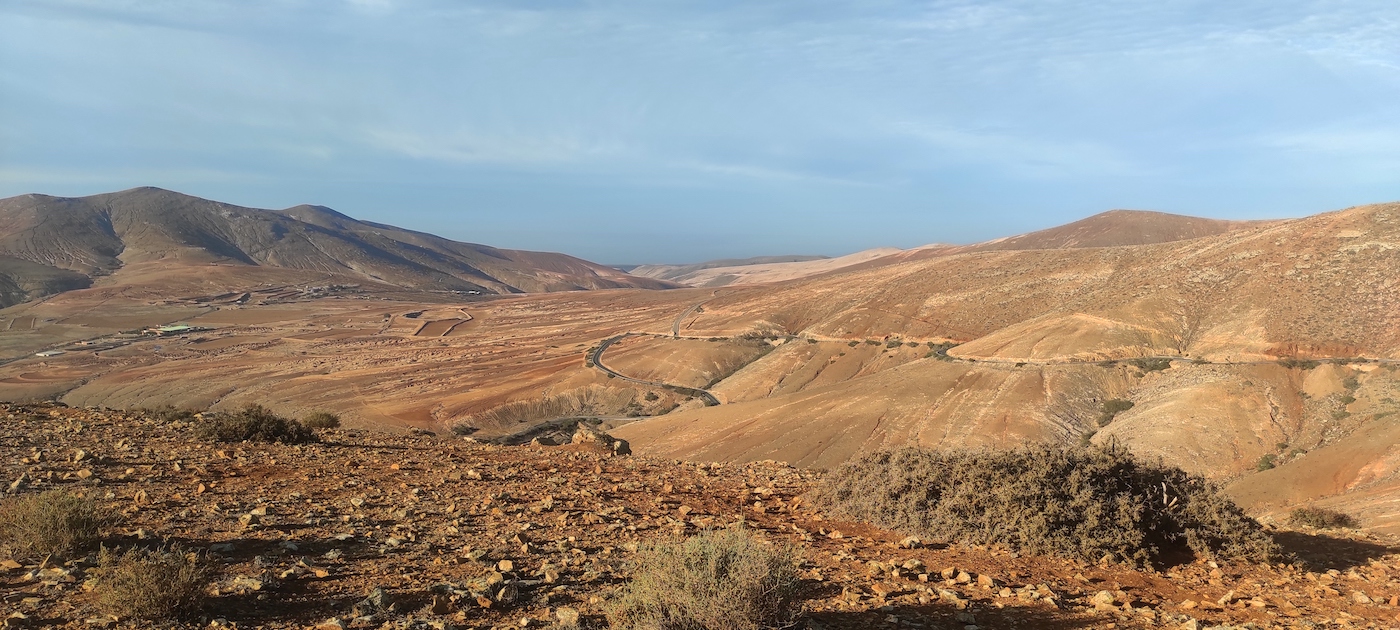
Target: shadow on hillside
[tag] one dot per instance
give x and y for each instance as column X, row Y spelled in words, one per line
column 1319, row 552
column 938, row 616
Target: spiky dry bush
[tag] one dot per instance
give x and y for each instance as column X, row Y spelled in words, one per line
column 1077, row 503
column 721, row 579
column 253, row 423
column 55, row 523
column 321, row 420
column 152, row 584
column 1321, row 518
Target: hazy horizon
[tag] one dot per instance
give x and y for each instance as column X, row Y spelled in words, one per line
column 632, row 133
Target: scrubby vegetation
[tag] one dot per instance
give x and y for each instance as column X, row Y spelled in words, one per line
column 168, row 414
column 1321, row 518
column 55, row 523
column 1077, row 503
column 722, row 579
column 152, row 585
column 1152, row 364
column 1111, row 408
column 253, row 423
column 1296, row 363
column 321, row 420
column 1266, row 462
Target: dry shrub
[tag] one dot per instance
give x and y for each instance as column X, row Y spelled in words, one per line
column 152, row 584
column 253, row 423
column 721, row 579
column 167, row 414
column 54, row 523
column 1321, row 518
column 1080, row 503
column 321, row 420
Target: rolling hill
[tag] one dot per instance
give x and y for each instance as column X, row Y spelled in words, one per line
column 50, row 244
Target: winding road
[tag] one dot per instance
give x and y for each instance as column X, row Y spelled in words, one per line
column 596, row 357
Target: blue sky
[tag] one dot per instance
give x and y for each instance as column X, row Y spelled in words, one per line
column 680, row 131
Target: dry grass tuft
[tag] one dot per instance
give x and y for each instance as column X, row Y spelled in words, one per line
column 722, row 579
column 152, row 584
column 1321, row 518
column 253, row 423
column 321, row 420
column 55, row 523
column 1080, row 503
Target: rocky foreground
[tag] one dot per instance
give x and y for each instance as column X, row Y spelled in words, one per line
column 375, row 530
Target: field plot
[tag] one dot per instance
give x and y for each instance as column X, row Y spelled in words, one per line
column 20, row 323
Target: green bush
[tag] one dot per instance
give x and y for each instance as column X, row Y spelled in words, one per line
column 1152, row 364
column 1321, row 518
column 1076, row 503
column 1265, row 463
column 152, row 584
column 1111, row 408
column 727, row 579
column 253, row 423
column 53, row 523
column 321, row 420
column 1296, row 363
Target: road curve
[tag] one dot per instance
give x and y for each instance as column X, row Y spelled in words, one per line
column 596, row 357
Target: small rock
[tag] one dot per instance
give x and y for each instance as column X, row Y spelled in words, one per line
column 1361, row 598
column 1226, row 599
column 568, row 617
column 1103, row 600
column 378, row 600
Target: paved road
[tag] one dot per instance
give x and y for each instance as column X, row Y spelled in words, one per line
column 676, row 325
column 597, row 358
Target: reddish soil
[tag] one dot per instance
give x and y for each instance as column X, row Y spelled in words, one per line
column 410, row 513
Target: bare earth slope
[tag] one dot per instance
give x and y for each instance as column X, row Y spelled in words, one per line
column 99, row 235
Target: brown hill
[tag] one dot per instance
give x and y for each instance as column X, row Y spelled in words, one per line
column 1044, row 338
column 1047, row 335
column 102, row 234
column 1115, row 228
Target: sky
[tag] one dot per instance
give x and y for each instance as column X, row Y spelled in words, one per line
column 679, row 131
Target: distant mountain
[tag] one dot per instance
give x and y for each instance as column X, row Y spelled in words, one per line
column 1115, row 228
column 52, row 244
column 700, row 274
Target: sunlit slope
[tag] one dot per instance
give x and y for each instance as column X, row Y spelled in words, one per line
column 1324, row 285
